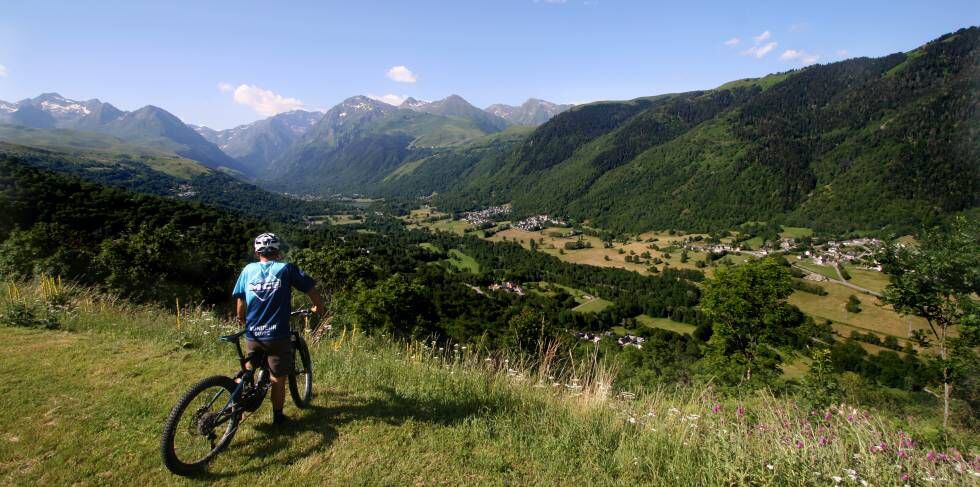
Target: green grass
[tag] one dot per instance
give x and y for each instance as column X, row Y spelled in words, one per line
column 755, row 242
column 592, row 306
column 463, row 262
column 874, row 316
column 85, row 404
column 868, row 279
column 824, row 270
column 764, row 82
column 666, row 324
column 796, row 232
column 431, row 247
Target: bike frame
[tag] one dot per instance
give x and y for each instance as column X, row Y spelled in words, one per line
column 257, row 359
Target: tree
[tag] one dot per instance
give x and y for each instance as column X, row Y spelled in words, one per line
column 938, row 280
column 747, row 305
column 853, row 304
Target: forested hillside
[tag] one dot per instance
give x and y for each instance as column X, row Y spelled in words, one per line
column 144, row 171
column 864, row 144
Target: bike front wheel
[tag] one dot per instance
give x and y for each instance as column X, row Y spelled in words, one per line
column 301, row 380
column 201, row 424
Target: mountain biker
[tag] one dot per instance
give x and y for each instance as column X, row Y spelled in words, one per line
column 263, row 298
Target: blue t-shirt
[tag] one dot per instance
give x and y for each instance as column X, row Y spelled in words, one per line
column 265, row 287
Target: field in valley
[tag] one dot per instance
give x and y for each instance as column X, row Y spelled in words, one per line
column 874, row 317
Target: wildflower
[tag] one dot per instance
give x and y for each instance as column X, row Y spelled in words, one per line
column 799, row 445
column 828, row 415
column 837, row 479
column 902, row 454
column 824, row 441
column 906, row 477
column 770, row 467
column 716, row 409
column 740, row 412
column 631, row 420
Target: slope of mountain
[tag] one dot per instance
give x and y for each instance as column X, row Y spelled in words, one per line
column 359, row 141
column 257, row 144
column 149, row 126
column 456, row 106
column 531, row 112
column 107, row 160
column 862, row 144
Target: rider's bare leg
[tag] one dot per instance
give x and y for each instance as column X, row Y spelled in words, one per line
column 278, row 393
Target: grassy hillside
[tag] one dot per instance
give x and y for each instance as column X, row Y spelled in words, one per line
column 91, row 405
column 99, row 151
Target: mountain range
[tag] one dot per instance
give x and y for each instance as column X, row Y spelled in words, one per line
column 149, row 126
column 861, row 144
column 532, row 112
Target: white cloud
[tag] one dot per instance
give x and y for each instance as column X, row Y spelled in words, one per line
column 263, row 101
column 3, row 71
column 389, row 98
column 759, row 39
column 733, row 41
column 402, row 74
column 802, row 57
column 760, row 51
column 843, row 53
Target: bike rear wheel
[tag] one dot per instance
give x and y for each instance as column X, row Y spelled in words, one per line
column 301, row 380
column 199, row 426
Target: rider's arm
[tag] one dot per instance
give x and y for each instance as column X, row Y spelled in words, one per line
column 314, row 295
column 240, row 310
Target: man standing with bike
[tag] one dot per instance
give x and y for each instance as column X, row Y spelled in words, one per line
column 263, row 298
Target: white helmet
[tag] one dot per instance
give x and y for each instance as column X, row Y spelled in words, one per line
column 267, row 243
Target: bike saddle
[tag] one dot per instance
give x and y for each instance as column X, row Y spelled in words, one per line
column 232, row 338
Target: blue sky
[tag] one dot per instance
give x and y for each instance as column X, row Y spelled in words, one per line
column 226, row 63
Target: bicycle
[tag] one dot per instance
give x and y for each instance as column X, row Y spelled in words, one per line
column 220, row 401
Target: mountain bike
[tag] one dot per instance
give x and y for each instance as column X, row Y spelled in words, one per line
column 207, row 416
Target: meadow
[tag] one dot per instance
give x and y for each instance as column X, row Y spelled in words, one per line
column 90, row 405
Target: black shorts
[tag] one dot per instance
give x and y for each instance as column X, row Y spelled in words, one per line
column 279, row 354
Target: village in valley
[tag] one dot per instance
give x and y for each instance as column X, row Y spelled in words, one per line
column 838, row 271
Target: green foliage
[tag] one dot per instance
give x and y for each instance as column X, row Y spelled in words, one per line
column 747, row 305
column 396, row 305
column 853, row 304
column 939, row 281
column 807, row 287
column 27, row 316
column 819, row 387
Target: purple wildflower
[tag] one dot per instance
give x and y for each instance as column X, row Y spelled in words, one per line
column 716, row 408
